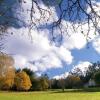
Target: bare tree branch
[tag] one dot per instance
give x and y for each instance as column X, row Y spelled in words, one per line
column 76, row 12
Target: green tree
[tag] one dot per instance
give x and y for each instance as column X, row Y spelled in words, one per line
column 43, row 82
column 55, row 84
column 35, row 84
column 97, row 78
column 29, row 72
column 22, row 81
column 61, row 84
column 73, row 82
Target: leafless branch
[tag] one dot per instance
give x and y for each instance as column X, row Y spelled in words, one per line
column 73, row 11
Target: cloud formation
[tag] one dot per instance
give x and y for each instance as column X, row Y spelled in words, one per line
column 38, row 50
column 35, row 50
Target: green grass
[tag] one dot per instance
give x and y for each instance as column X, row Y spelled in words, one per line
column 51, row 95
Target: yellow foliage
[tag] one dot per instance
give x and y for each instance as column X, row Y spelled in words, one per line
column 22, row 81
column 7, row 71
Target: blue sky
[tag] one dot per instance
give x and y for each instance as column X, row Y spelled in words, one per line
column 43, row 56
column 86, row 54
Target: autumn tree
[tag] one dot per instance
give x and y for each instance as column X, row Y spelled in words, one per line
column 7, row 71
column 22, row 81
column 33, row 78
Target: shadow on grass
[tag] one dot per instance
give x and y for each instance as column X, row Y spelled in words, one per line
column 85, row 90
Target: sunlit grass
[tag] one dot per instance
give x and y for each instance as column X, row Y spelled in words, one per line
column 51, row 95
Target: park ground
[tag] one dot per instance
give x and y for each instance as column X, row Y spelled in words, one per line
column 88, row 94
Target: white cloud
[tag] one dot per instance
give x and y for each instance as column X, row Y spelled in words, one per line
column 76, row 40
column 82, row 66
column 39, row 50
column 96, row 44
column 64, row 54
column 62, row 76
column 22, row 62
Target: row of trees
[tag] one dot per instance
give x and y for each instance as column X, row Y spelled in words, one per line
column 22, row 81
column 79, row 79
column 19, row 79
column 69, row 82
column 25, row 79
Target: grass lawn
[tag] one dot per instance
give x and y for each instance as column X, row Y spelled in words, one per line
column 51, row 95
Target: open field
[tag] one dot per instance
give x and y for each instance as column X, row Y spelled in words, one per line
column 51, row 95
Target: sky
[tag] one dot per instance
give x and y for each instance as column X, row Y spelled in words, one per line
column 37, row 52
